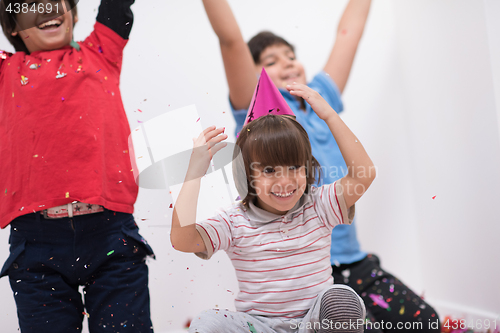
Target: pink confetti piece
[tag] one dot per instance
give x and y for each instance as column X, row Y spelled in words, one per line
column 198, row 120
column 434, row 197
column 379, row 300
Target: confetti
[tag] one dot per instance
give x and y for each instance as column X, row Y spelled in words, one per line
column 391, row 288
column 198, row 120
column 111, row 252
column 252, row 329
column 34, row 66
column 67, row 195
column 24, row 81
column 359, row 281
column 379, row 300
column 170, row 206
column 100, row 49
column 416, row 313
column 60, row 75
column 139, row 110
column 98, row 71
column 434, row 197
column 62, row 99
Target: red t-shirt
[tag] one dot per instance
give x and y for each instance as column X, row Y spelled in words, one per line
column 63, row 129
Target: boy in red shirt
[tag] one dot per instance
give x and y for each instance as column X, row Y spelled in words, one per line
column 68, row 185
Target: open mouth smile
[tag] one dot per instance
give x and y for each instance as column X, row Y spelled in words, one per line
column 52, row 24
column 284, row 195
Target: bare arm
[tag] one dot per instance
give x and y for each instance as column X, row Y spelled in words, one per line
column 238, row 62
column 360, row 169
column 183, row 235
column 349, row 32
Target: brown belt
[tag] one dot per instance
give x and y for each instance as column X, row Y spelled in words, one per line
column 71, row 209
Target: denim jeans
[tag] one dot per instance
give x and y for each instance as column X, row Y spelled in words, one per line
column 50, row 258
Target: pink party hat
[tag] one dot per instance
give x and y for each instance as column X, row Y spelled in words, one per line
column 266, row 99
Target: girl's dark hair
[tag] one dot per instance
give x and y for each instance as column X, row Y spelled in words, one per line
column 262, row 40
column 8, row 22
column 271, row 140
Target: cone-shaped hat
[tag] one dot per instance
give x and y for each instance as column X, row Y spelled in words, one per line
column 266, row 99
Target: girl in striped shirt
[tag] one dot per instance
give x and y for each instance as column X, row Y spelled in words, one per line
column 278, row 236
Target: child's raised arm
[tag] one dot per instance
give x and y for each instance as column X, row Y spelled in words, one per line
column 238, row 62
column 360, row 169
column 349, row 32
column 117, row 15
column 183, row 235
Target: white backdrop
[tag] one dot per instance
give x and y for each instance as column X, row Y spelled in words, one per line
column 423, row 97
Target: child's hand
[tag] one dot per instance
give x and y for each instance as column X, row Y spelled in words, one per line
column 318, row 103
column 204, row 148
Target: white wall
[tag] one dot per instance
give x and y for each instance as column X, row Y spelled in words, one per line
column 423, row 97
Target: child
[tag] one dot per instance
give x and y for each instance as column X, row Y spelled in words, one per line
column 68, row 186
column 350, row 264
column 278, row 236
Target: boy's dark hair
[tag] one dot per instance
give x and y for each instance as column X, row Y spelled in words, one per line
column 8, row 22
column 262, row 40
column 272, row 141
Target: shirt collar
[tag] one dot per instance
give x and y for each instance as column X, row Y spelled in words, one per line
column 256, row 214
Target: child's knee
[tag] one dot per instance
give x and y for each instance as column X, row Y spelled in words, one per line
column 210, row 321
column 342, row 309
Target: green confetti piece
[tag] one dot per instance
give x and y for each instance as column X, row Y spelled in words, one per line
column 111, row 252
column 252, row 329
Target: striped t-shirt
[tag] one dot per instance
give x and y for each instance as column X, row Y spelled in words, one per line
column 282, row 262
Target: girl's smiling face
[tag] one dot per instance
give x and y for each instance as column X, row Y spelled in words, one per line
column 278, row 188
column 44, row 31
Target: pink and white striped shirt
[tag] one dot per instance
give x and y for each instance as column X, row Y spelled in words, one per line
column 282, row 262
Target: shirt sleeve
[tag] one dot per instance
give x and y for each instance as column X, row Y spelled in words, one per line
column 117, row 15
column 239, row 117
column 327, row 88
column 108, row 44
column 330, row 205
column 216, row 234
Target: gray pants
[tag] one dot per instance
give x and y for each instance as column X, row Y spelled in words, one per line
column 336, row 309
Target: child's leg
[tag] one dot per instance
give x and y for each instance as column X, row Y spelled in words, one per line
column 39, row 270
column 337, row 309
column 116, row 292
column 218, row 321
column 387, row 298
